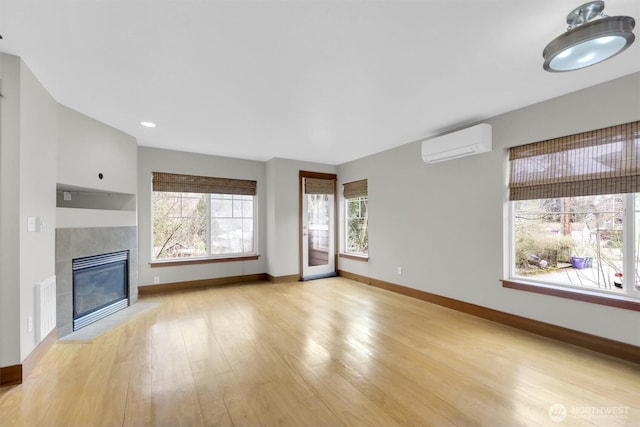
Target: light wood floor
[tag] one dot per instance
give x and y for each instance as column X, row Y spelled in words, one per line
column 323, row 353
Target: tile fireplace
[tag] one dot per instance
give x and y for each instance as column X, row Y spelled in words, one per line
column 97, row 274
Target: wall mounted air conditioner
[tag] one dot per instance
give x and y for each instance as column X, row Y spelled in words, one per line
column 466, row 142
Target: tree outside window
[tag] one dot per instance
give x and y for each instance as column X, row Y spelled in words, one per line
column 357, row 235
column 573, row 240
column 201, row 225
column 199, row 216
column 179, row 225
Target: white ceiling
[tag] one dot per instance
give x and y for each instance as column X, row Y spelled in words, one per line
column 324, row 81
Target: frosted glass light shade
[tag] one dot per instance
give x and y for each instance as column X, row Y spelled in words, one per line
column 589, row 44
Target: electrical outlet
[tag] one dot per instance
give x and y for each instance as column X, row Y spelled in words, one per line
column 29, row 324
column 399, row 271
column 156, row 280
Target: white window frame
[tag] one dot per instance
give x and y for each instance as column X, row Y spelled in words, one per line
column 208, row 240
column 346, row 226
column 255, row 226
column 630, row 288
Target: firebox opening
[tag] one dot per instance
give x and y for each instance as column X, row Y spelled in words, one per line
column 100, row 287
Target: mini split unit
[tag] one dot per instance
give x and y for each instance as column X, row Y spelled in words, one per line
column 466, row 142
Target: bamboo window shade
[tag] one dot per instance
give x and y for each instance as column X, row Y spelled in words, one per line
column 351, row 190
column 178, row 183
column 319, row 186
column 602, row 161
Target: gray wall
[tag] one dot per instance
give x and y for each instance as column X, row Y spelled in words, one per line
column 283, row 213
column 10, row 211
column 38, row 144
column 278, row 189
column 27, row 189
column 87, row 147
column 446, row 224
column 150, row 160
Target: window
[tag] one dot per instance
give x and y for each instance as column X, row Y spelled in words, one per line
column 196, row 217
column 231, row 224
column 356, row 217
column 575, row 206
column 179, row 225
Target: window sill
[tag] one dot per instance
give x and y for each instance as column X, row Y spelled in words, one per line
column 618, row 301
column 364, row 258
column 176, row 262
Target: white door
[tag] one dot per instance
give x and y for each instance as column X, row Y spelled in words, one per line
column 318, row 236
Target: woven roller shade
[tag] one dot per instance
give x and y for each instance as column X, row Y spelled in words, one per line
column 319, row 186
column 178, row 183
column 355, row 189
column 603, row 161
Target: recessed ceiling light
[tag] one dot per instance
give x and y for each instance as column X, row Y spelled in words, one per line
column 148, row 124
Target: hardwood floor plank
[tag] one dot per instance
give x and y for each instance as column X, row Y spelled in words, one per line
column 329, row 352
column 240, row 411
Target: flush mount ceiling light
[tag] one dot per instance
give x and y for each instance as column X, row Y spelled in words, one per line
column 592, row 37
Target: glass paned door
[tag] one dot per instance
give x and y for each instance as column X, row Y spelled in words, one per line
column 318, row 259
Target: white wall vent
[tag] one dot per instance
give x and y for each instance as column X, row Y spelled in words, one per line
column 466, row 142
column 45, row 308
